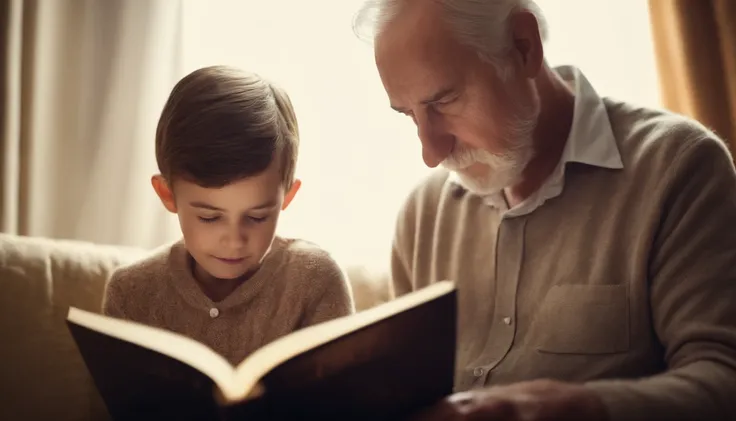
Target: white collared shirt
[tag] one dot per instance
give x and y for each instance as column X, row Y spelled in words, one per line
column 590, row 142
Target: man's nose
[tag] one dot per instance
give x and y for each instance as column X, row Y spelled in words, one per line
column 430, row 157
column 436, row 144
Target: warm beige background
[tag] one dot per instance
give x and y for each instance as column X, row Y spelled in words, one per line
column 82, row 83
column 695, row 41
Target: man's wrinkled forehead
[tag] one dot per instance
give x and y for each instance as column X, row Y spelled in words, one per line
column 417, row 52
column 416, row 30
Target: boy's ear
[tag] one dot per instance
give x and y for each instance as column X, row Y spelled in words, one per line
column 289, row 196
column 163, row 190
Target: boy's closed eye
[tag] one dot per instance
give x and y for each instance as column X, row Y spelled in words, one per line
column 256, row 219
column 257, row 214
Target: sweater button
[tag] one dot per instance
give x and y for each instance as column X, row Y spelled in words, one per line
column 214, row 312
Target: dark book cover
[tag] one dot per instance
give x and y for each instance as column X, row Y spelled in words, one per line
column 383, row 371
column 137, row 383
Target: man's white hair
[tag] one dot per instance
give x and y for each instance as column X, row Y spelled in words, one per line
column 482, row 25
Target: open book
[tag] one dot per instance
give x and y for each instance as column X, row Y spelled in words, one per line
column 379, row 364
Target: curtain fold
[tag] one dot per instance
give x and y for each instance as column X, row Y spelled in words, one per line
column 695, row 45
column 83, row 82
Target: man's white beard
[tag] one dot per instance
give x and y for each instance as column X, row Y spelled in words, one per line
column 503, row 170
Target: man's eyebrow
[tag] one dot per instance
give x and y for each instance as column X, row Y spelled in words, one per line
column 439, row 95
column 436, row 97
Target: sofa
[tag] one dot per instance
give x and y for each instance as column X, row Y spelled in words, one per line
column 42, row 376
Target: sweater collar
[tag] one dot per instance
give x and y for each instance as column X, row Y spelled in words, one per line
column 182, row 278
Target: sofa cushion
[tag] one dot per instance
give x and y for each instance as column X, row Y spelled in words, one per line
column 42, row 375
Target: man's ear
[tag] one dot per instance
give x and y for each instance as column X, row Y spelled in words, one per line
column 163, row 190
column 528, row 47
column 289, row 196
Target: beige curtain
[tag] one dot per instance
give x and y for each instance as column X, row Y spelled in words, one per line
column 695, row 43
column 82, row 83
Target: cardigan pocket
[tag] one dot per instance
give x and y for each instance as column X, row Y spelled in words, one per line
column 582, row 319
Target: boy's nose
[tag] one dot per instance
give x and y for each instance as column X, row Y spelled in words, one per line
column 235, row 239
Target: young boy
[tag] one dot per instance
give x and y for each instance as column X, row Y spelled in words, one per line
column 226, row 147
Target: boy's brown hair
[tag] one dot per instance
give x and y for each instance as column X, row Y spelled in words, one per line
column 222, row 124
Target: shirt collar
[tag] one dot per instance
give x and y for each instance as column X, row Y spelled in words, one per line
column 591, row 141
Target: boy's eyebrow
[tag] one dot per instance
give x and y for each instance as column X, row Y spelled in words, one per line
column 203, row 205
column 269, row 204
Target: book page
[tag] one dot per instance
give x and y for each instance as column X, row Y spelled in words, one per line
column 265, row 359
column 181, row 348
column 387, row 369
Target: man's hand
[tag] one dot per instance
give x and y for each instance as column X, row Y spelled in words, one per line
column 538, row 400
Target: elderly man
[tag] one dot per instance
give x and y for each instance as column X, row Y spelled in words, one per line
column 592, row 240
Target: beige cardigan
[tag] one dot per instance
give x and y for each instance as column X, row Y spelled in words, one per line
column 626, row 280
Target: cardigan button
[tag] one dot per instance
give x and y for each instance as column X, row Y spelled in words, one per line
column 214, row 312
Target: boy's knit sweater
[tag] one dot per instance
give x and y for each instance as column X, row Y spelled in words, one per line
column 297, row 285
